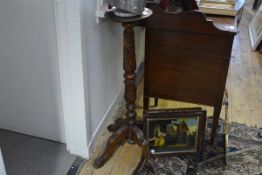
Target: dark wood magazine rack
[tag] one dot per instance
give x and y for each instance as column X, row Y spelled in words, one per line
column 186, row 59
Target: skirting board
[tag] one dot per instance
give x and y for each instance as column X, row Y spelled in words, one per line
column 111, row 113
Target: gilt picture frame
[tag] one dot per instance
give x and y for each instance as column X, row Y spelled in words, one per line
column 175, row 132
column 255, row 29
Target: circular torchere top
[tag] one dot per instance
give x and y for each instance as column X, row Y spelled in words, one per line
column 111, row 15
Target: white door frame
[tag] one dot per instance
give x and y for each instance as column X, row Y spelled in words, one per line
column 2, row 165
column 69, row 45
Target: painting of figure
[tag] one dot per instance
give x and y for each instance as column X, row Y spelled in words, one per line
column 173, row 134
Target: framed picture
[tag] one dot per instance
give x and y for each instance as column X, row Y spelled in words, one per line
column 255, row 29
column 175, row 132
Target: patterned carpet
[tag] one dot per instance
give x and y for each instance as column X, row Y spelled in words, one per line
column 243, row 155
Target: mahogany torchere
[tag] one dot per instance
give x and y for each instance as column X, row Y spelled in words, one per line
column 126, row 128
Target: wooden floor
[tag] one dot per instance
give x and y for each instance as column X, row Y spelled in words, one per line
column 244, row 85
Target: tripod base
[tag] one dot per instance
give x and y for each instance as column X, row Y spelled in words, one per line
column 122, row 133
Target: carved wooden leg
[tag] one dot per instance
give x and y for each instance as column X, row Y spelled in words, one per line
column 147, row 158
column 118, row 123
column 113, row 143
column 215, row 124
column 140, row 166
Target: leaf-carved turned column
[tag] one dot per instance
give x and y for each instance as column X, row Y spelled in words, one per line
column 129, row 65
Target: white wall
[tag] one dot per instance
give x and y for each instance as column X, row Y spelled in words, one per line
column 102, row 44
column 29, row 82
column 103, row 51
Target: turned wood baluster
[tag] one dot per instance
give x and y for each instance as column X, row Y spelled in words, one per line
column 129, row 66
column 127, row 128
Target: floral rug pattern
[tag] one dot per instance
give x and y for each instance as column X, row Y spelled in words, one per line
column 243, row 155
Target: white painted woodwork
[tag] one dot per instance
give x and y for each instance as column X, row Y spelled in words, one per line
column 69, row 42
column 30, row 95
